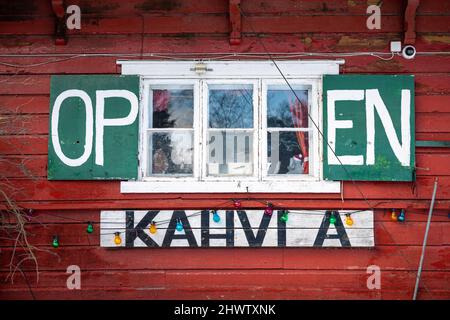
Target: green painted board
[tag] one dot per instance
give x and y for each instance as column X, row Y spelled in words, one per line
column 369, row 123
column 78, row 124
column 432, row 144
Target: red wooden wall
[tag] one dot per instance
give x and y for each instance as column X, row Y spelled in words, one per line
column 174, row 26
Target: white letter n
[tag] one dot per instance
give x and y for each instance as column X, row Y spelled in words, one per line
column 402, row 151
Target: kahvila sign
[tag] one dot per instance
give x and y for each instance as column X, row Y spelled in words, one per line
column 237, row 228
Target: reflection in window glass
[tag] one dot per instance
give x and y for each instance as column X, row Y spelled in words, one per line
column 230, row 149
column 284, row 153
column 230, row 106
column 171, row 153
column 172, row 108
column 230, row 152
column 288, row 149
column 282, row 108
column 170, row 150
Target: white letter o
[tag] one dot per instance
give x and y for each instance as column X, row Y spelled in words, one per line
column 89, row 127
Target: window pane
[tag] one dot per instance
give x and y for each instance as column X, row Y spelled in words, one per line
column 230, row 152
column 283, row 108
column 170, row 153
column 230, row 106
column 287, row 152
column 172, row 107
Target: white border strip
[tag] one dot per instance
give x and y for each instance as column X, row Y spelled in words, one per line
column 247, row 69
column 230, row 187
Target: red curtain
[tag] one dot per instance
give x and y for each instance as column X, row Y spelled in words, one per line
column 299, row 112
column 161, row 100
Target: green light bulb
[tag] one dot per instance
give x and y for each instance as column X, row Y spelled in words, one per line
column 55, row 242
column 284, row 217
column 90, row 228
column 332, row 219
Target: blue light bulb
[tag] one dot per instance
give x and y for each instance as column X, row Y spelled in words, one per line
column 401, row 216
column 179, row 226
column 216, row 216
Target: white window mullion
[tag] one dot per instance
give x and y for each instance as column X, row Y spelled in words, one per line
column 204, row 125
column 260, row 130
column 197, row 143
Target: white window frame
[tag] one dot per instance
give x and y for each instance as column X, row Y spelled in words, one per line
column 262, row 74
column 205, row 113
column 147, row 84
column 313, row 108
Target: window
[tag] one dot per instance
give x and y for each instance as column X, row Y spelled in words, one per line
column 169, row 135
column 230, row 122
column 235, row 128
column 287, row 129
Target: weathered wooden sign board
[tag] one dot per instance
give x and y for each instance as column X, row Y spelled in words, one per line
column 236, row 228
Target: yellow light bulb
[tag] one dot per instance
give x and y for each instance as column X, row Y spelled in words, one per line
column 394, row 216
column 117, row 239
column 349, row 220
column 153, row 228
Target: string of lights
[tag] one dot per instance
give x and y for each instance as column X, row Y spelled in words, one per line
column 270, row 207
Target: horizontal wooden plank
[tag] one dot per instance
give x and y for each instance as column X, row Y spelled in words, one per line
column 420, row 64
column 99, row 65
column 433, row 136
column 423, row 189
column 437, row 103
column 43, row 190
column 109, row 8
column 24, row 124
column 24, row 145
column 25, row 84
column 241, row 280
column 386, row 257
column 218, row 43
column 218, row 23
column 230, row 293
column 428, row 164
column 24, row 104
column 426, row 84
column 432, row 122
column 23, row 166
column 432, row 84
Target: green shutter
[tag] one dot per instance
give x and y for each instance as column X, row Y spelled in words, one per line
column 74, row 151
column 369, row 149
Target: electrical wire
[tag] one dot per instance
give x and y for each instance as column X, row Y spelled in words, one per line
column 309, row 116
column 201, row 56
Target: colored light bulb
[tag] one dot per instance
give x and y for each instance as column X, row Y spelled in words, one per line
column 237, row 204
column 55, row 242
column 349, row 220
column 29, row 215
column 284, row 217
column 117, row 239
column 216, row 216
column 394, row 215
column 332, row 219
column 153, row 228
column 269, row 209
column 401, row 216
column 90, row 228
column 179, row 226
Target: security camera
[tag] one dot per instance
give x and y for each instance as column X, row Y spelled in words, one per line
column 409, row 52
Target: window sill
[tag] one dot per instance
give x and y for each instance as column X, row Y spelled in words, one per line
column 231, row 187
